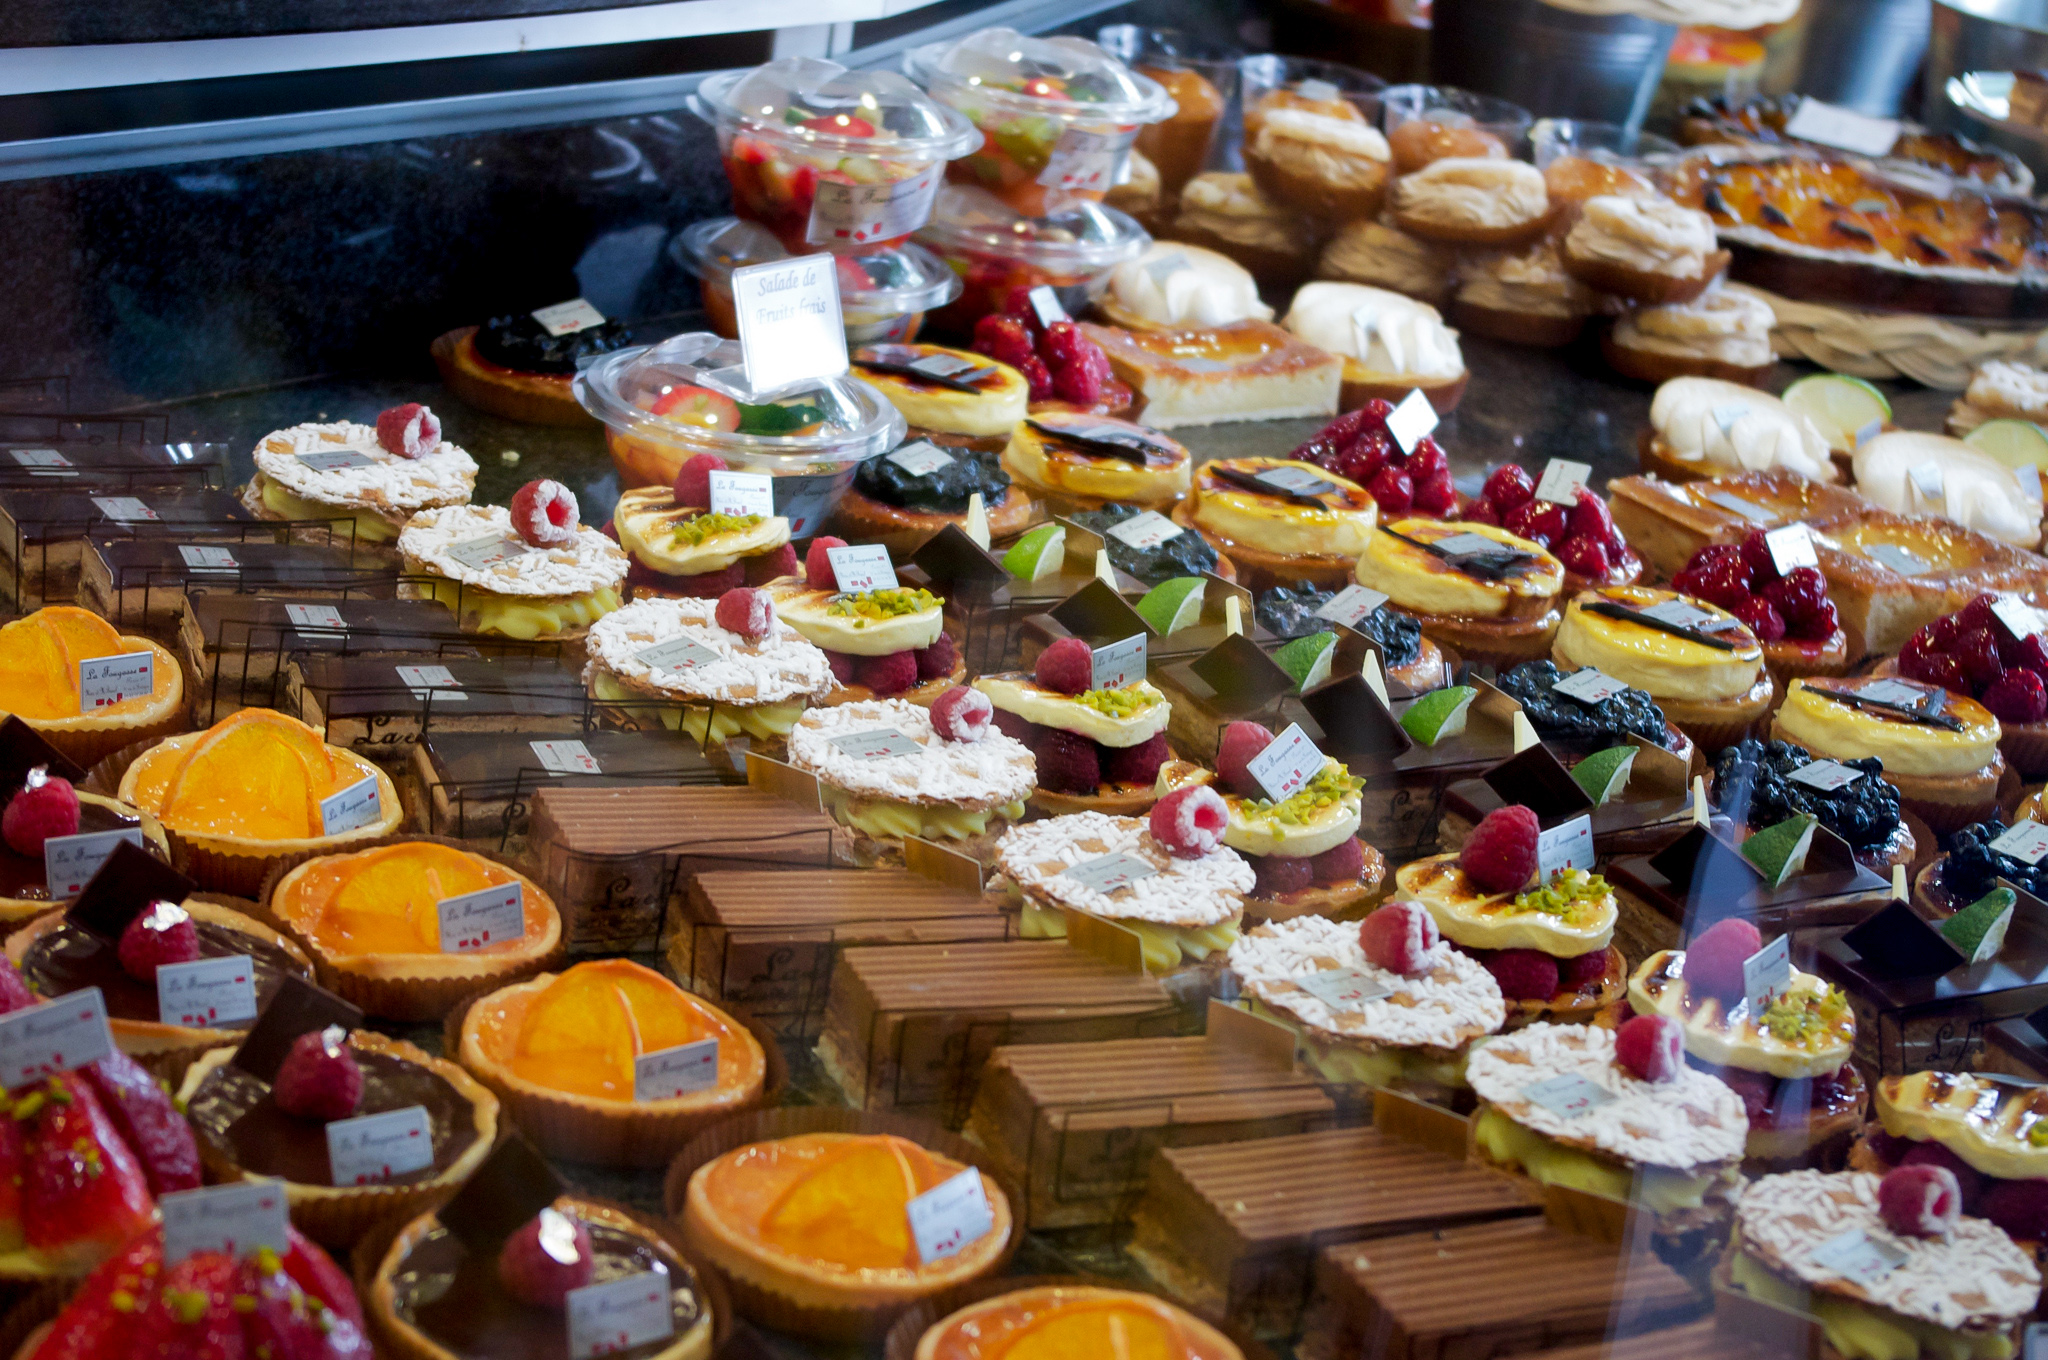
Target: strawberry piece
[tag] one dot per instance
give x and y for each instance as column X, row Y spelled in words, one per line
column 1399, row 937
column 149, row 1121
column 1920, row 1201
column 1500, row 854
column 83, row 1192
column 693, row 479
column 93, row 1326
column 315, row 1272
column 162, row 935
column 410, row 431
column 1241, row 742
column 545, row 514
column 818, row 563
column 1068, row 666
column 1713, row 961
column 1190, row 822
column 962, row 714
column 841, row 125
column 14, row 992
column 1650, row 1047
column 193, row 1314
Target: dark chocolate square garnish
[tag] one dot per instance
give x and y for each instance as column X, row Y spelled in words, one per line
column 1538, row 780
column 297, row 1008
column 1899, row 942
column 122, row 890
column 22, row 748
column 513, row 1184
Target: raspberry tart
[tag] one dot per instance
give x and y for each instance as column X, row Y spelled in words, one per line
column 1066, row 370
column 1790, row 614
column 886, row 643
column 1097, row 750
column 1754, row 784
column 1581, row 535
column 680, row 547
column 1975, row 654
column 1357, row 447
column 1702, row 665
column 374, row 476
column 1279, row 520
column 949, row 397
column 532, row 572
column 1493, row 601
column 1074, row 462
column 39, row 659
column 1974, row 1124
column 1940, row 750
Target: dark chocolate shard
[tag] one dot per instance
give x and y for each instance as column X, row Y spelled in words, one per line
column 22, row 748
column 1898, row 942
column 298, row 1008
column 513, row 1184
column 125, row 885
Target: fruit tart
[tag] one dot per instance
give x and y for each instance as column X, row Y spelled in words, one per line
column 1468, row 201
column 1357, row 447
column 1972, row 867
column 1940, row 750
column 1790, row 613
column 39, row 679
column 1407, row 658
column 1335, row 168
column 1097, row 750
column 1976, row 654
column 681, row 547
column 1042, row 1322
column 1758, row 784
column 255, row 789
column 1976, row 1125
column 42, row 805
column 1391, row 345
column 1667, row 522
column 1911, row 473
column 947, row 396
column 2000, row 389
column 1725, row 332
column 1067, row 371
column 515, row 365
column 532, row 571
column 889, row 642
column 1643, row 247
column 1228, row 213
column 1549, row 943
column 1790, row 1065
column 1071, row 461
column 564, row 1051
column 891, row 770
column 1522, row 296
column 1418, row 1004
column 900, row 499
column 1147, row 545
column 371, row 921
column 1379, row 254
column 1174, row 285
column 1280, row 520
column 1702, row 664
column 375, row 476
column 1575, row 727
column 1581, row 534
column 1475, row 588
column 1706, row 427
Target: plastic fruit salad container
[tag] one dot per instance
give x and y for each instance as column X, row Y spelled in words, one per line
column 1057, row 115
column 996, row 250
column 883, row 294
column 827, row 158
column 664, row 404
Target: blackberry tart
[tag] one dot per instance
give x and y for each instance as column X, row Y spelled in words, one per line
column 1410, row 659
column 1971, row 868
column 1754, row 785
column 900, row 499
column 1578, row 728
column 1183, row 553
column 512, row 366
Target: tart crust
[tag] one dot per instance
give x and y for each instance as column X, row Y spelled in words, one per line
column 1260, row 570
column 867, row 520
column 1656, row 366
column 1334, row 901
column 1539, row 330
column 1575, row 1008
column 529, row 398
column 1947, row 803
column 1723, row 722
column 1643, row 285
column 1495, row 642
column 18, row 911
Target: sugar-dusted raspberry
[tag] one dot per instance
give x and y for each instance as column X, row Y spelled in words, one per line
column 1968, row 1178
column 1068, row 762
column 1762, row 617
column 1039, row 376
column 2019, row 1207
column 2017, row 697
column 1190, row 822
column 1136, row 764
column 1068, row 666
column 1500, row 854
column 746, row 611
column 1342, row 863
column 161, row 934
column 1077, row 382
column 841, row 664
column 1479, row 512
column 1537, row 521
column 693, row 479
column 1278, row 875
column 46, row 806
column 1756, row 555
column 888, row 674
column 319, row 1077
column 1437, row 496
column 1003, row 339
column 937, row 661
column 1361, row 460
column 1799, row 593
column 1393, row 490
column 546, row 1259
column 1650, row 1047
column 762, row 568
column 1713, row 960
column 818, row 564
column 1920, row 1201
column 544, row 514
column 1978, row 651
column 962, row 714
column 1582, row 970
column 1523, row 974
column 410, row 431
column 1428, row 462
column 1399, row 937
column 1509, row 488
column 1590, row 519
column 1586, row 556
column 1241, row 742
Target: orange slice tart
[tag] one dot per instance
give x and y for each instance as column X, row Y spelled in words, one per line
column 249, row 791
column 40, row 657
column 372, row 921
column 814, row 1232
column 1074, row 1322
column 563, row 1052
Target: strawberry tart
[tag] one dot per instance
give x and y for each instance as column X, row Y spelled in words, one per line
column 1581, row 535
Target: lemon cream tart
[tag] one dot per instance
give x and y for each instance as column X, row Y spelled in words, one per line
column 1182, row 910
column 1391, row 345
column 655, row 655
column 1280, row 520
column 338, row 468
column 1099, row 750
column 1790, row 1064
column 496, row 582
column 885, row 643
column 1703, row 666
column 1076, row 461
column 886, row 772
column 1940, row 750
column 1987, row 1125
column 1643, row 247
column 948, row 396
column 1304, row 849
column 1495, row 604
column 1569, row 918
column 1912, row 473
column 1467, row 200
column 1725, row 332
column 1412, row 1037
column 1704, row 427
column 687, row 550
column 1173, row 284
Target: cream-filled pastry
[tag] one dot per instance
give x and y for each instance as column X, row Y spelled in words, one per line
column 1984, row 1120
column 476, row 561
column 1229, row 214
column 1911, row 473
column 1471, row 201
column 1275, row 515
column 1390, row 344
column 934, row 404
column 335, row 469
column 1330, row 167
column 1940, row 750
column 1643, row 247
column 1173, row 284
column 1078, row 461
column 2001, row 389
column 1118, row 718
column 1380, row 254
column 1708, row 676
column 882, row 643
column 1704, row 427
column 658, row 656
column 1725, row 332
column 1524, row 297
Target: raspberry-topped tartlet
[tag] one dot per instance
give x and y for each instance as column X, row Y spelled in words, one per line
column 1940, row 750
column 1978, row 1127
column 1975, row 653
column 1098, row 750
column 880, row 644
column 1581, row 535
column 681, row 547
column 1067, row 371
column 1790, row 612
column 1704, row 667
column 375, row 477
column 1759, row 785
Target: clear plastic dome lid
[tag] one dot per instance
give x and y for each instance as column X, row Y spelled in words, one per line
column 1081, row 238
column 1066, row 78
column 893, row 281
column 819, row 105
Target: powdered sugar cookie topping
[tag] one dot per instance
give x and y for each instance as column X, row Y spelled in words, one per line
column 1040, row 857
column 975, row 775
column 1454, row 1000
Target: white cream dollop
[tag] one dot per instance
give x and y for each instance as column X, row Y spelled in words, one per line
column 1912, row 473
column 1174, row 284
column 1738, row 428
column 1384, row 331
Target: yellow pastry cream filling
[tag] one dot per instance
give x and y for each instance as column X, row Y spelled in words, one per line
column 1113, row 717
column 1645, row 657
column 1828, row 727
column 887, row 819
column 707, row 724
column 1164, row 946
column 1338, row 523
column 1420, row 582
column 1370, row 1064
column 679, row 540
column 1860, row 1331
column 1661, row 1190
column 526, row 617
column 371, row 527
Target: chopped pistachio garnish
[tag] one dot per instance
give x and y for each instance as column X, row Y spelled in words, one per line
column 1117, row 703
column 1562, row 893
column 694, row 531
column 2037, row 1133
column 1327, row 788
column 883, row 604
column 1805, row 1017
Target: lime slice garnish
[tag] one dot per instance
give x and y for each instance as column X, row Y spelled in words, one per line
column 1307, row 659
column 1778, row 852
column 1173, row 605
column 1604, row 774
column 1038, row 554
column 1839, row 406
column 1439, row 714
column 2015, row 443
column 1979, row 929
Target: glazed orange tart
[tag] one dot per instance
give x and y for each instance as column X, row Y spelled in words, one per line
column 814, row 1228
column 1059, row 1322
column 371, row 919
column 40, row 657
column 563, row 1052
column 254, row 789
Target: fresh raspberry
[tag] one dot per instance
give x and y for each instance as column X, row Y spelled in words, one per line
column 1428, row 462
column 1713, row 961
column 1018, row 728
column 937, row 661
column 1538, row 521
column 1375, row 412
column 2019, row 1207
column 2033, row 655
column 1978, row 651
column 1756, row 1089
column 1800, row 593
column 1508, row 489
column 1003, row 339
column 1479, row 512
column 1077, row 383
column 1523, row 974
column 1650, row 1047
column 1437, row 496
column 1590, row 519
column 1061, row 345
column 1399, row 937
column 1341, row 863
column 1393, row 490
column 1917, row 651
column 1017, row 303
column 1968, row 1178
column 1039, row 376
column 14, row 990
column 1361, row 460
column 693, row 480
column 1947, row 671
column 762, row 568
column 1920, row 1201
column 1335, row 436
column 1275, row 876
column 962, row 714
column 1066, row 667
column 1943, row 632
column 1067, row 762
column 1241, row 742
column 1136, row 764
column 162, row 934
column 705, row 585
column 1723, row 583
column 46, row 806
column 1190, row 822
column 1586, row 556
column 818, row 564
column 842, row 665
column 746, row 611
column 550, row 1255
column 319, row 1078
column 544, row 514
column 888, row 674
column 1762, row 617
column 1756, row 555
column 2017, row 697
column 1977, row 614
column 1715, row 554
column 1582, row 970
column 1500, row 854
column 410, row 431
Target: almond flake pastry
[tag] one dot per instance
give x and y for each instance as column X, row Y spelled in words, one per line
column 884, row 771
column 328, row 470
column 1183, row 910
column 476, row 563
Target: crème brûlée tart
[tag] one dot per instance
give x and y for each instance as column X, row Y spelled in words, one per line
column 881, row 644
column 1304, row 850
column 246, row 794
column 369, row 919
column 967, row 400
column 1065, row 1322
column 1984, row 1120
column 1107, row 745
column 1945, row 764
column 519, row 591
column 1713, row 685
column 1498, row 607
column 812, row 1231
column 1280, row 521
column 319, row 471
column 1081, row 462
column 39, row 677
column 1391, row 345
column 561, row 1052
column 690, row 551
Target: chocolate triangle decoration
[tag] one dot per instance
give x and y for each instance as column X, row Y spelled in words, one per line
column 1243, row 678
column 1898, row 942
column 513, row 1184
column 1711, row 875
column 22, row 748
column 1658, row 769
column 950, row 558
column 1827, row 853
column 1355, row 726
column 297, row 1007
column 1098, row 615
column 1215, row 590
column 129, row 880
column 1539, row 781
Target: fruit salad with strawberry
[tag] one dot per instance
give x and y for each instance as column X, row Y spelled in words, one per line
column 1975, row 653
column 1580, row 535
column 1066, row 370
column 1789, row 612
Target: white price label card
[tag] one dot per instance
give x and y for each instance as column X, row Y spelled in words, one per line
column 1869, row 430
column 1825, row 775
column 54, row 1037
column 1767, row 973
column 1289, row 761
column 1412, row 421
column 125, row 509
column 1893, row 692
column 1083, row 161
column 336, row 460
column 373, row 1148
column 618, row 1315
column 2025, row 840
column 1146, row 530
column 1589, row 686
column 789, row 324
column 437, row 681
column 206, row 992
column 357, row 805
column 670, row 1072
column 1679, row 614
column 1562, row 481
column 1726, row 415
column 921, row 458
column 1749, row 510
column 566, row 756
column 677, row 654
column 479, row 553
column 104, row 681
column 1568, row 1096
column 1833, row 125
column 1296, row 481
column 861, row 566
column 202, row 558
column 1343, row 989
column 1791, row 548
column 949, row 1216
column 1351, row 606
column 743, row 493
column 314, row 616
column 477, row 920
column 2030, row 481
column 70, row 861
column 1855, row 1255
column 40, row 458
column 1119, row 664
column 881, row 744
column 233, row 1220
column 857, row 214
column 1108, row 873
column 1166, row 266
column 1468, row 545
column 1927, row 479
column 1045, row 305
column 2021, row 619
column 567, row 318
column 1568, row 846
column 2035, row 1346
column 1901, row 560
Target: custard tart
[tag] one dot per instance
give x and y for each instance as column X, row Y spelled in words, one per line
column 1940, row 750
column 39, row 683
column 1279, row 520
column 1249, row 370
column 952, row 397
column 1079, row 462
column 1700, row 663
column 1475, row 588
